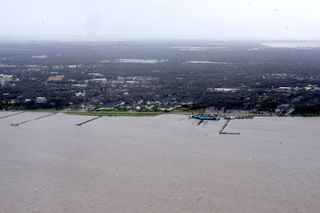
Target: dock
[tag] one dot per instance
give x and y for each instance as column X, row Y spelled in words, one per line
column 92, row 119
column 7, row 116
column 221, row 132
column 33, row 119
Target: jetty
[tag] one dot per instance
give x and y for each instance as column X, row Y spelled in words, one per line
column 7, row 116
column 92, row 119
column 33, row 119
column 227, row 133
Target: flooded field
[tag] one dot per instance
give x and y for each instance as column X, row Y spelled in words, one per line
column 158, row 164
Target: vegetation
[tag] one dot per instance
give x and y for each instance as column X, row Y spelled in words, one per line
column 106, row 113
column 252, row 77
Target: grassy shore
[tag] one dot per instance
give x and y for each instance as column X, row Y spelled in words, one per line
column 114, row 113
column 134, row 113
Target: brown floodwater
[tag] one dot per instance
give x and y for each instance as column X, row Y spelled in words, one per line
column 158, row 164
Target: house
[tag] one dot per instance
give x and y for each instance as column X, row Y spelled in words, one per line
column 169, row 107
column 284, row 89
column 5, row 78
column 186, row 102
column 225, row 89
column 284, row 110
column 41, row 100
column 56, row 78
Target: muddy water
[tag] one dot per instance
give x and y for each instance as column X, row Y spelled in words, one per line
column 159, row 164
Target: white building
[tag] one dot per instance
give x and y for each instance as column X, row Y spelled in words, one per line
column 41, row 100
column 5, row 78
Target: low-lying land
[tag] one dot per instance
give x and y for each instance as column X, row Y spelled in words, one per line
column 149, row 76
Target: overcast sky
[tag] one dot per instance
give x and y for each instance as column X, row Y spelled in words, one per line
column 161, row 19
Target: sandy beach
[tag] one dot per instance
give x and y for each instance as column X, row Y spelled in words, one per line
column 158, row 164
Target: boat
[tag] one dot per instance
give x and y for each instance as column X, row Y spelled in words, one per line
column 206, row 117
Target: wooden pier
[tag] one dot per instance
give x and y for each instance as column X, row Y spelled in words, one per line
column 7, row 116
column 33, row 119
column 92, row 119
column 221, row 132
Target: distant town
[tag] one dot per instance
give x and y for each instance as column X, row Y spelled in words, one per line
column 159, row 77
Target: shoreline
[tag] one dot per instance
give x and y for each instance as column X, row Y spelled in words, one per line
column 155, row 113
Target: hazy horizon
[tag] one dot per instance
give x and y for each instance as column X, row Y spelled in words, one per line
column 107, row 39
column 160, row 20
